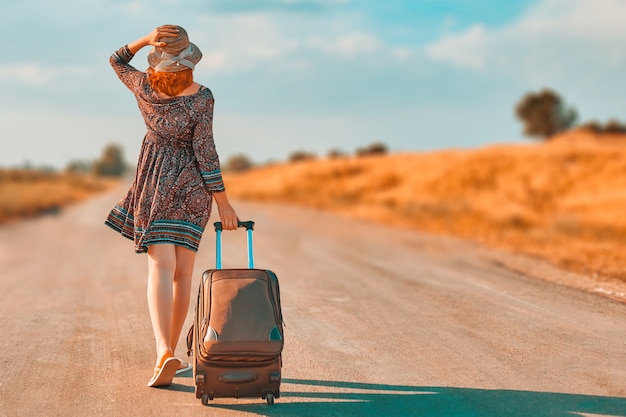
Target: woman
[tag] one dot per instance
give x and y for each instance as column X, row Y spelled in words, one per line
column 178, row 175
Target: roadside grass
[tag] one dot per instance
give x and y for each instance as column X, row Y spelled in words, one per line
column 562, row 200
column 28, row 193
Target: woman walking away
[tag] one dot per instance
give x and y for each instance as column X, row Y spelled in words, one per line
column 178, row 175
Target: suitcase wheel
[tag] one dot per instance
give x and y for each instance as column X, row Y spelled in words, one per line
column 270, row 399
column 205, row 399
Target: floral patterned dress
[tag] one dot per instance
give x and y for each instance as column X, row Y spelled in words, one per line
column 170, row 198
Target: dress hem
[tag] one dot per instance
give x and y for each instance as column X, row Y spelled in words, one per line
column 174, row 232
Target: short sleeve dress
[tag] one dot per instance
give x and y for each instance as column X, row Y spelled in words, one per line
column 178, row 169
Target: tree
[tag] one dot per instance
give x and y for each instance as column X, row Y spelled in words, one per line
column 615, row 126
column 238, row 163
column 78, row 167
column 297, row 156
column 374, row 148
column 111, row 163
column 544, row 114
column 336, row 153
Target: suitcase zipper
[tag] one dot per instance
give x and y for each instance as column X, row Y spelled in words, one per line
column 238, row 364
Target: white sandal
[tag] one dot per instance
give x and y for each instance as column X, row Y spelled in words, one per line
column 184, row 367
column 165, row 374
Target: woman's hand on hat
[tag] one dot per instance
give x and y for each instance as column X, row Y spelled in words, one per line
column 153, row 38
column 165, row 31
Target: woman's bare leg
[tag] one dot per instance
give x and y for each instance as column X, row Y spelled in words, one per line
column 182, row 291
column 161, row 271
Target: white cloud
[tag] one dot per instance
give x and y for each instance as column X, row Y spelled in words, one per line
column 601, row 20
column 348, row 46
column 243, row 42
column 549, row 40
column 133, row 7
column 467, row 50
column 291, row 6
column 240, row 42
column 29, row 72
column 402, row 52
column 39, row 74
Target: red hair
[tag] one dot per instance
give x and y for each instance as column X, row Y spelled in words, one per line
column 170, row 83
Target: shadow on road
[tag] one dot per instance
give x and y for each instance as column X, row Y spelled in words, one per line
column 331, row 398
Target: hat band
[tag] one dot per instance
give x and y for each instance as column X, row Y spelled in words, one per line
column 179, row 59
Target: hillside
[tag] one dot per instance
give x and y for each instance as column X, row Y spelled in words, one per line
column 562, row 200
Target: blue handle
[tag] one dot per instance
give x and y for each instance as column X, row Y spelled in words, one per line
column 249, row 225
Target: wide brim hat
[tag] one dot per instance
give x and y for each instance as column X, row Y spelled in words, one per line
column 178, row 54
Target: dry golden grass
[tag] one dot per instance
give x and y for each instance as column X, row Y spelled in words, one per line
column 26, row 193
column 562, row 200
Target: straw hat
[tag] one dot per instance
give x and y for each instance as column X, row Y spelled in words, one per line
column 177, row 55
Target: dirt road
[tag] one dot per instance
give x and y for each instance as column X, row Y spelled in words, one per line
column 380, row 322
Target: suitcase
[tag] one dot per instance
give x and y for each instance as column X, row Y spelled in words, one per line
column 237, row 336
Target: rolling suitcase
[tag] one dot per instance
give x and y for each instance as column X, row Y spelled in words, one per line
column 237, row 336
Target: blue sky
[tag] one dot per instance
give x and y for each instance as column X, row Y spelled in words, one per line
column 309, row 75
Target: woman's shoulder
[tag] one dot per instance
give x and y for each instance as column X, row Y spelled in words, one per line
column 205, row 91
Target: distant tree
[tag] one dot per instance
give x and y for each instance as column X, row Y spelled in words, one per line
column 78, row 167
column 375, row 148
column 297, row 156
column 544, row 114
column 593, row 125
column 612, row 126
column 336, row 153
column 238, row 163
column 111, row 163
column 615, row 126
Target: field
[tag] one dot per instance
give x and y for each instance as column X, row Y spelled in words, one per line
column 27, row 193
column 562, row 200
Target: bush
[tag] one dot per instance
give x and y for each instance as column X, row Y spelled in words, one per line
column 375, row 148
column 297, row 156
column 111, row 163
column 544, row 114
column 593, row 126
column 238, row 163
column 336, row 153
column 78, row 167
column 614, row 126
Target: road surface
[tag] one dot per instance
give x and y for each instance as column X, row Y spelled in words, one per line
column 380, row 322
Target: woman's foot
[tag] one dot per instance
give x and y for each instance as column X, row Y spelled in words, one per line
column 165, row 374
column 184, row 367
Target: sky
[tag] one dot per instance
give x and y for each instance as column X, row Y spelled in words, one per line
column 309, row 75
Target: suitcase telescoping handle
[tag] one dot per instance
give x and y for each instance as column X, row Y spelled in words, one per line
column 249, row 225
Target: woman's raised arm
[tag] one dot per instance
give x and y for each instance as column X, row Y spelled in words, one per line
column 153, row 37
